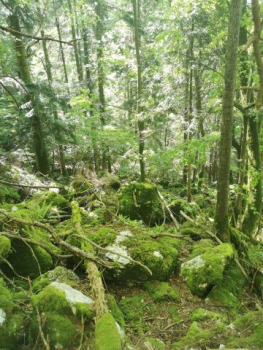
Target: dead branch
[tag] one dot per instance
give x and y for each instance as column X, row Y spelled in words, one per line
column 29, row 186
column 168, row 209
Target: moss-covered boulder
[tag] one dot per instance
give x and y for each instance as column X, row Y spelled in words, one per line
column 59, row 274
column 206, row 270
column 181, row 204
column 107, row 335
column 11, row 319
column 227, row 293
column 63, row 310
column 162, row 291
column 191, row 230
column 111, row 181
column 140, row 201
column 82, row 185
column 159, row 255
column 50, row 198
column 115, row 310
column 153, row 344
column 64, row 300
column 27, row 261
column 195, row 337
column 5, row 247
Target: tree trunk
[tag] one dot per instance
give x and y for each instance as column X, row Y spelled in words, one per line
column 39, row 146
column 221, row 215
column 141, row 124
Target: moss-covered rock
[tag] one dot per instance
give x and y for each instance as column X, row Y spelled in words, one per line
column 206, row 270
column 107, row 336
column 59, row 274
column 50, row 198
column 140, row 201
column 11, row 319
column 228, row 292
column 191, row 230
column 161, row 291
column 200, row 315
column 158, row 255
column 153, row 344
column 64, row 300
column 248, row 331
column 81, row 185
column 181, row 204
column 195, row 337
column 201, row 247
column 35, row 260
column 5, row 247
column 111, row 181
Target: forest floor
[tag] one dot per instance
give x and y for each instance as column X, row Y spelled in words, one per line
column 167, row 288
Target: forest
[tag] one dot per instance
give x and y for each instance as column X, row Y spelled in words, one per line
column 131, row 150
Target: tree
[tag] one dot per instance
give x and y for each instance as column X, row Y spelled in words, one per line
column 221, row 215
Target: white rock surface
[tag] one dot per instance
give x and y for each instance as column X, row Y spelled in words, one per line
column 2, row 316
column 118, row 253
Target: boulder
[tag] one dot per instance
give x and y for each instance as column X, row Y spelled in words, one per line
column 205, row 271
column 160, row 255
column 140, row 201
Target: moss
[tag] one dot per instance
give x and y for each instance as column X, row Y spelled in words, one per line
column 206, row 271
column 200, row 315
column 189, row 229
column 173, row 314
column 181, row 204
column 115, row 310
column 13, row 319
column 111, row 181
column 80, row 185
column 132, row 309
column 5, row 247
column 140, row 201
column 35, row 260
column 8, row 194
column 158, row 255
column 195, row 336
column 60, row 331
column 248, row 331
column 232, row 286
column 51, row 299
column 201, row 247
column 59, row 274
column 51, row 199
column 107, row 336
column 154, row 344
column 103, row 237
column 161, row 291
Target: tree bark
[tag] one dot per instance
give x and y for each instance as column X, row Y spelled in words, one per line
column 141, row 124
column 221, row 215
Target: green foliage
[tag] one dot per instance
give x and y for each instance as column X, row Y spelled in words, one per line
column 161, row 291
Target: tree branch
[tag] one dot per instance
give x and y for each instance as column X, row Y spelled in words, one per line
column 38, row 38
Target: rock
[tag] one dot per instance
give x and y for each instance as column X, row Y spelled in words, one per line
column 153, row 344
column 5, row 247
column 59, row 274
column 190, row 229
column 140, row 201
column 107, row 335
column 64, row 309
column 63, row 299
column 205, row 271
column 35, row 260
column 159, row 255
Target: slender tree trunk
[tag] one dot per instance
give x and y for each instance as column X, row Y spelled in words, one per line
column 39, row 146
column 141, row 124
column 75, row 45
column 221, row 215
column 101, row 76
